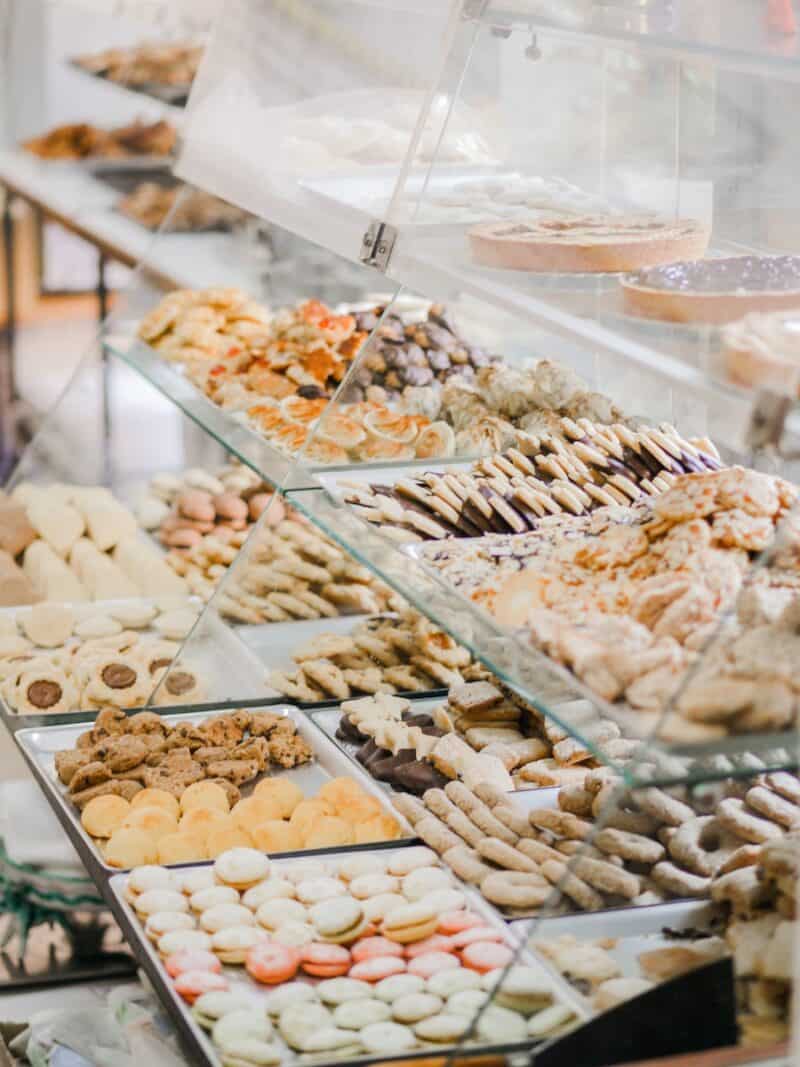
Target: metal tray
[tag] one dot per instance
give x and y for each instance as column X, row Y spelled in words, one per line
column 38, row 747
column 200, row 1043
column 273, row 644
column 176, row 95
column 215, row 652
column 635, row 930
column 327, row 718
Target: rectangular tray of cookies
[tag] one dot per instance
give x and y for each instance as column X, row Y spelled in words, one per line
column 274, row 645
column 214, row 655
column 646, row 944
column 198, row 1041
column 40, row 745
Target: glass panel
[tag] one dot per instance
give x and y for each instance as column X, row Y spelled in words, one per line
column 633, row 889
column 343, row 134
column 93, row 605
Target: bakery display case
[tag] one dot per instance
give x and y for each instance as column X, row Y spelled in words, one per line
column 480, row 497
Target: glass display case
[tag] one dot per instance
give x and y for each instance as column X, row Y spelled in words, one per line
column 498, row 493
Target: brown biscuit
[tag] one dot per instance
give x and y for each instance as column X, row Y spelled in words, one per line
column 90, row 774
column 466, row 864
column 127, row 790
column 515, row 820
column 576, row 800
column 538, row 851
column 410, row 807
column 606, row 877
column 231, row 791
column 560, row 822
column 434, row 833
column 236, row 771
column 70, row 761
column 633, row 847
column 505, row 856
column 558, row 874
column 478, row 812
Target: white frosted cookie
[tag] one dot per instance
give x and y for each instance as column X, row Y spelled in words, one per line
column 176, row 625
column 446, row 983
column 133, row 616
column 340, row 990
column 356, row 1014
column 414, row 1007
column 359, row 865
column 274, row 913
column 387, row 1037
column 398, row 985
column 424, row 880
column 48, row 625
column 408, row 859
column 98, row 626
column 291, row 993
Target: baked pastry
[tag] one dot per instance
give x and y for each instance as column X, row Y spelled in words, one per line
column 586, row 243
column 762, row 350
column 714, row 290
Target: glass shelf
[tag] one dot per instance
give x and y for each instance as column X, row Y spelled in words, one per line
column 757, row 37
column 549, row 687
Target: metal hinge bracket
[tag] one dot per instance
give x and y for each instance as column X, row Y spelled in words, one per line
column 377, row 245
column 474, row 9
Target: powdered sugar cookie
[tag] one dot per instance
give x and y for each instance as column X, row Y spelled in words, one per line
column 48, row 625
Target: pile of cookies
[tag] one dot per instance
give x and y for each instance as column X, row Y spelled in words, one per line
column 597, row 972
column 503, row 405
column 57, row 658
column 365, row 432
column 580, row 467
column 626, row 597
column 406, row 356
column 392, row 958
column 653, row 845
column 189, row 210
column 207, row 819
column 761, row 937
column 380, row 655
column 478, row 735
column 121, row 755
column 76, row 543
column 146, row 64
column 82, row 140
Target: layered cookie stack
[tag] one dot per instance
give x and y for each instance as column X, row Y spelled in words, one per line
column 57, row 658
column 581, row 467
column 381, row 655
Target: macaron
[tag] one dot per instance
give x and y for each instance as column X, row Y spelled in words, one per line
column 414, row 1007
column 398, row 985
column 339, row 990
column 377, row 968
column 154, row 900
column 410, row 922
column 430, row 963
column 249, row 1052
column 192, row 984
column 279, row 910
column 149, row 876
column 356, row 1014
column 272, row 889
column 193, row 959
column 271, row 964
column 424, row 880
column 368, row 947
column 232, row 943
column 241, row 868
column 406, row 860
column 204, row 899
column 474, row 933
column 178, row 940
column 325, row 960
column 161, row 922
column 339, row 920
column 240, row 1024
column 485, row 956
column 453, row 922
column 222, row 915
column 210, row 1007
column 292, row 993
column 434, row 943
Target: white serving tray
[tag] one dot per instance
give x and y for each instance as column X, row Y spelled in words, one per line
column 39, row 746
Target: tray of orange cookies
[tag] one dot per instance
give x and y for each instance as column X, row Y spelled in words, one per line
column 150, row 789
column 352, row 956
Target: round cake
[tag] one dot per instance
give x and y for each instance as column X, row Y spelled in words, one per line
column 714, row 290
column 763, row 350
column 593, row 244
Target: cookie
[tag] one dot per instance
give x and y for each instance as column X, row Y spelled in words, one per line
column 48, row 625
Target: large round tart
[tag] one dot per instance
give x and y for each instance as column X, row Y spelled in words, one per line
column 714, row 290
column 593, row 244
